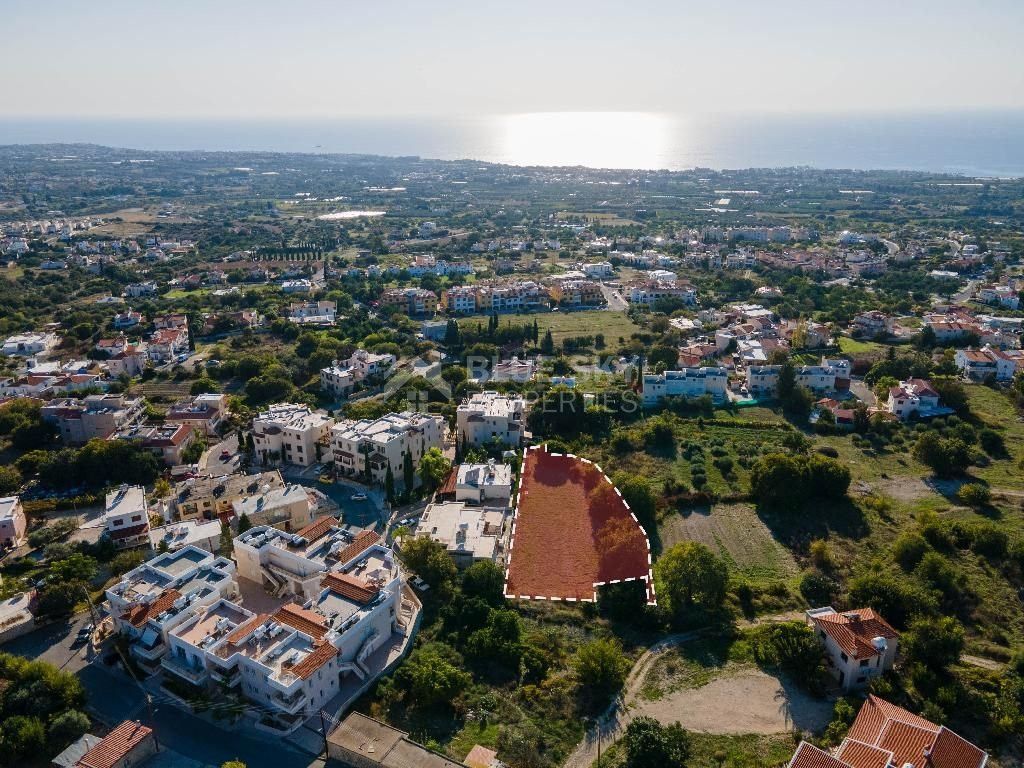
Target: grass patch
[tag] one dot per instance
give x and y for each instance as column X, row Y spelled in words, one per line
column 693, row 665
column 722, row 751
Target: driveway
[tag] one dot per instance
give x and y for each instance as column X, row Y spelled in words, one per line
column 211, row 463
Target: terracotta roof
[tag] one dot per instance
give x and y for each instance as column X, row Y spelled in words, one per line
column 238, row 633
column 318, row 528
column 350, row 587
column 297, row 617
column 320, row 656
column 361, row 543
column 448, row 486
column 809, row 756
column 853, row 631
column 908, row 743
column 861, row 755
column 138, row 615
column 953, row 751
column 115, row 745
column 873, row 716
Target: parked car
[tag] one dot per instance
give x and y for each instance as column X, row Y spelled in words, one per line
column 358, row 497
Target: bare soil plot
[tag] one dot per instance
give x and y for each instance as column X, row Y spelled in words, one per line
column 572, row 532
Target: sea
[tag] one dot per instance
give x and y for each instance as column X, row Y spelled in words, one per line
column 974, row 143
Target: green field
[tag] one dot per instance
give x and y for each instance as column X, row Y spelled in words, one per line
column 566, row 324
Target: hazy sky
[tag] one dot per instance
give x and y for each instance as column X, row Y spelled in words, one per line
column 306, row 58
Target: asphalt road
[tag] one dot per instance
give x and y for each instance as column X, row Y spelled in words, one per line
column 113, row 696
column 615, row 300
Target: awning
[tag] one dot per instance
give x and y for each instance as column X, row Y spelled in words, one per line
column 149, row 637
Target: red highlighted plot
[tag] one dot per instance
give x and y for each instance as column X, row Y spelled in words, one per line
column 572, row 532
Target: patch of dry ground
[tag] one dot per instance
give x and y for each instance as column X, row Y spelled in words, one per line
column 769, row 705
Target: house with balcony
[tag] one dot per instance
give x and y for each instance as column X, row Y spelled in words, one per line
column 80, row 420
column 688, row 382
column 313, row 312
column 212, row 497
column 290, row 433
column 488, row 417
column 151, row 600
column 126, row 517
column 204, row 413
column 915, row 398
column 979, row 364
column 341, row 377
column 289, row 507
column 369, row 447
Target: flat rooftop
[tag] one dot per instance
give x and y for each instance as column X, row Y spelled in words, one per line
column 216, row 622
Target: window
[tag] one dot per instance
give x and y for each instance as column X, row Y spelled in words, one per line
column 863, row 662
column 136, row 518
column 118, row 522
column 844, row 657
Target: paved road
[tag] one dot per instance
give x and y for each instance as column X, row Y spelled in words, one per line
column 210, row 463
column 615, row 300
column 113, row 696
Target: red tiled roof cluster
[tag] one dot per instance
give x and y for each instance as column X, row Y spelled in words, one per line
column 318, row 528
column 360, row 544
column 350, row 587
column 297, row 617
column 139, row 614
column 320, row 656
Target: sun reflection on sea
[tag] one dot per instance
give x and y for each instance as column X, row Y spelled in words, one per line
column 594, row 139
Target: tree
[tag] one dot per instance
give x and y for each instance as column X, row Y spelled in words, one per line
column 389, row 484
column 945, row 456
column 895, row 597
column 430, row 561
column 434, row 468
column 639, row 494
column 21, row 739
column 690, row 574
column 434, row 676
column 649, row 743
column 65, row 728
column 777, row 478
column 408, row 473
column 786, row 385
column 547, row 344
column 500, row 641
column 486, row 580
column 244, row 523
column 601, row 665
column 233, row 764
column 10, row 480
column 936, row 642
column 77, row 567
column 59, row 600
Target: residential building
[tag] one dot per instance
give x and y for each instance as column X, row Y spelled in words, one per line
column 914, row 397
column 517, row 370
column 859, row 644
column 469, row 533
column 296, row 286
column 81, row 420
column 1001, row 295
column 30, row 344
column 510, row 296
column 688, row 382
column 489, row 484
column 138, row 290
column 126, row 517
column 411, row 301
column 129, row 745
column 204, row 413
column 152, row 599
column 460, row 299
column 290, row 433
column 168, row 441
column 886, row 736
column 130, row 361
column 434, row 330
column 369, row 447
column 576, row 293
column 166, row 344
column 313, row 312
column 213, row 498
column 113, row 345
column 949, row 331
column 488, row 417
column 978, row 364
column 13, row 523
column 363, row 742
column 599, row 269
column 340, row 378
column 127, row 319
column 872, row 323
column 763, row 380
column 648, row 292
column 289, row 508
column 188, row 533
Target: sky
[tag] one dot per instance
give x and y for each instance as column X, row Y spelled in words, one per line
column 302, row 59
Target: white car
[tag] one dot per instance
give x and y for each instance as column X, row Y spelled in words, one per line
column 358, row 497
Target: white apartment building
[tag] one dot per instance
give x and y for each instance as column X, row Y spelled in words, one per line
column 859, row 645
column 460, row 299
column 313, row 312
column 80, row 420
column 688, row 382
column 647, row 293
column 30, row 344
column 341, row 376
column 520, row 371
column 978, row 364
column 137, row 290
column 468, row 533
column 489, row 484
column 196, row 533
column 155, row 597
column 126, row 518
column 488, row 417
column 599, row 269
column 290, row 433
column 763, row 380
column 369, row 447
column 13, row 523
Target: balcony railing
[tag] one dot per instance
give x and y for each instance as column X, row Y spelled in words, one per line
column 193, row 674
column 289, row 704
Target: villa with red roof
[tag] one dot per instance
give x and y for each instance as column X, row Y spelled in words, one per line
column 887, row 736
column 859, row 645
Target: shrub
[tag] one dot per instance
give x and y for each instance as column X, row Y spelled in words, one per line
column 908, row 550
column 817, row 588
column 974, row 495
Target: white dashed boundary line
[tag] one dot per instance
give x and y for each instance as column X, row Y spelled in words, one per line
column 652, row 598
